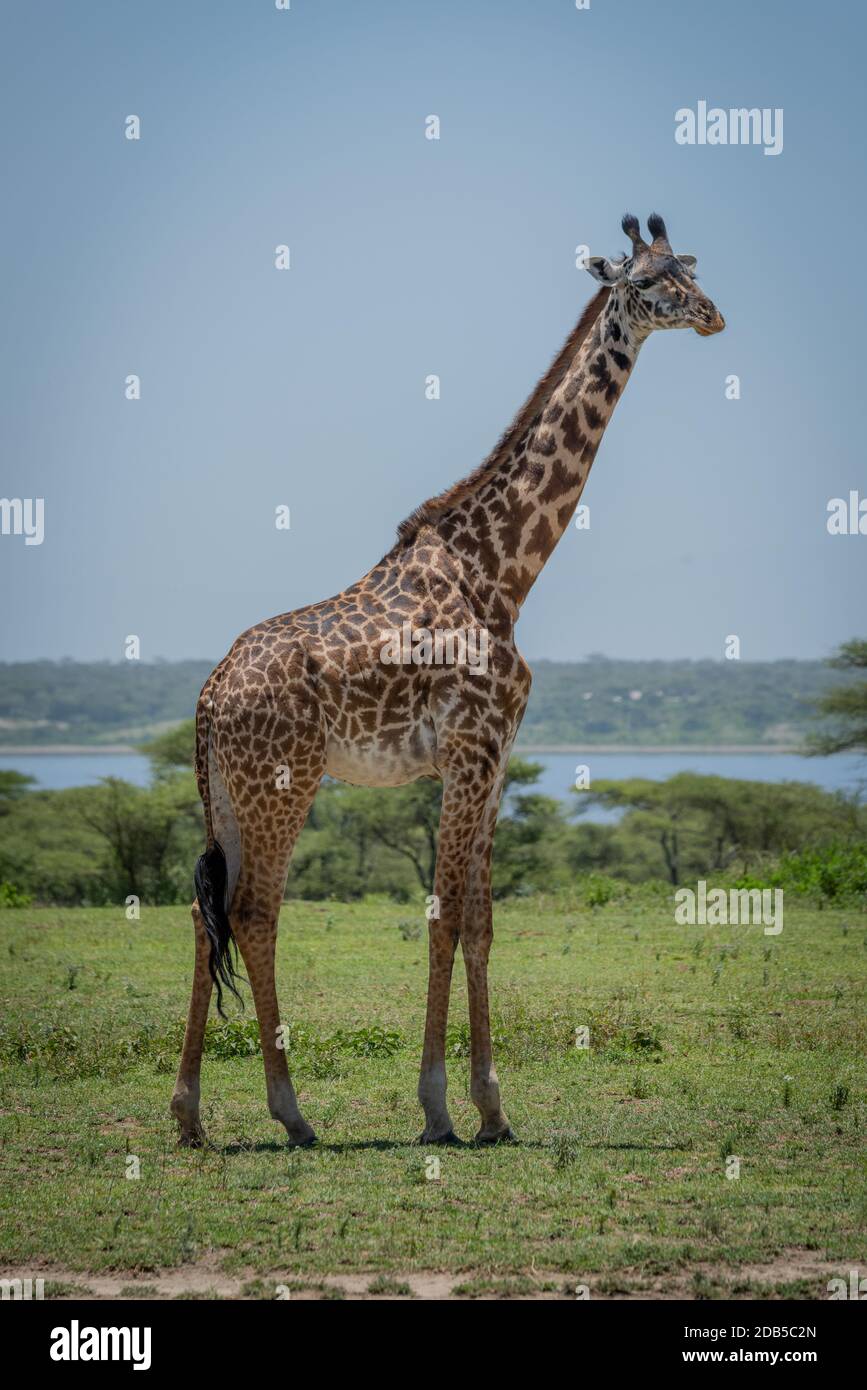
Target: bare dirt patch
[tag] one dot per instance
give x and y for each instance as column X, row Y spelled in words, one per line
column 205, row 1280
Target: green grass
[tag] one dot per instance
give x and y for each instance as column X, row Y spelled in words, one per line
column 705, row 1043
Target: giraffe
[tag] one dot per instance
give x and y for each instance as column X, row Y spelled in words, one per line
column 329, row 689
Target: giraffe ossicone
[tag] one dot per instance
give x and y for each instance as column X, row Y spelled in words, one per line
column 309, row 691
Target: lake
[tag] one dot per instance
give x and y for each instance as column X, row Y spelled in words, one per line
column 57, row 771
column 844, row 771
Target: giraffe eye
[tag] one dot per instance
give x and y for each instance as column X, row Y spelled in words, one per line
column 643, row 284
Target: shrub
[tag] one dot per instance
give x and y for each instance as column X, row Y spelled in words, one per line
column 10, row 896
column 832, row 873
column 827, row 873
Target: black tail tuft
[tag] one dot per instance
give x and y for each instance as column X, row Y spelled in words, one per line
column 212, row 883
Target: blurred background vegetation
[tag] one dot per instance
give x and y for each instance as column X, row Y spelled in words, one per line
column 99, row 844
column 596, row 701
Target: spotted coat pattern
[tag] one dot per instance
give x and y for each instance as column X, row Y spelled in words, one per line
column 308, row 691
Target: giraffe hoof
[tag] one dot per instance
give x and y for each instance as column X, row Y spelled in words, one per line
column 191, row 1141
column 503, row 1136
column 310, row 1142
column 448, row 1138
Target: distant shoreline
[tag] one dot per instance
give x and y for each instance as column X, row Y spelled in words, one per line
column 28, row 750
column 524, row 750
column 527, row 750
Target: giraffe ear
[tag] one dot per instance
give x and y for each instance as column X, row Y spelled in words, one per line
column 605, row 271
column 689, row 264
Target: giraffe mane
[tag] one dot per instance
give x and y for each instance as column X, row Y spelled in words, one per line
column 458, row 492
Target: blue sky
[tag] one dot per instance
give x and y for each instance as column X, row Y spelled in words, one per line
column 411, row 257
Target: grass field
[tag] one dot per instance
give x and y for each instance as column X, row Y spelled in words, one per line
column 706, row 1042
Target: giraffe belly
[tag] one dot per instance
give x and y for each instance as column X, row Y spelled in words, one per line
column 378, row 764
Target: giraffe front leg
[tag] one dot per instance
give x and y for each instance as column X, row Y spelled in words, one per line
column 477, row 933
column 465, row 796
column 432, row 1079
column 476, row 939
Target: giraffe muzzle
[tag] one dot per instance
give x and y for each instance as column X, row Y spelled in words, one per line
column 714, row 324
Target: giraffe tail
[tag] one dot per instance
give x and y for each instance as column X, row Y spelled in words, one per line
column 211, row 878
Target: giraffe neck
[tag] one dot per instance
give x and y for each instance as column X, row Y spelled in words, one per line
column 506, row 520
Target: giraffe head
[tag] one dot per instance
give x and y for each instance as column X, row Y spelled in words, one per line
column 658, row 287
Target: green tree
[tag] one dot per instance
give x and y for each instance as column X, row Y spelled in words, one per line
column 531, row 846
column 173, row 751
column 702, row 824
column 13, row 785
column 149, row 835
column 358, row 837
column 844, row 706
column 659, row 811
column 46, row 850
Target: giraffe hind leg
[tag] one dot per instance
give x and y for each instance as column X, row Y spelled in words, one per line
column 216, row 876
column 185, row 1098
column 477, row 931
column 271, row 799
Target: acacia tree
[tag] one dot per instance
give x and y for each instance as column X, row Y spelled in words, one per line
column 172, row 751
column 405, row 820
column 660, row 811
column 148, row 833
column 845, row 707
column 349, row 828
column 13, row 785
column 708, row 824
